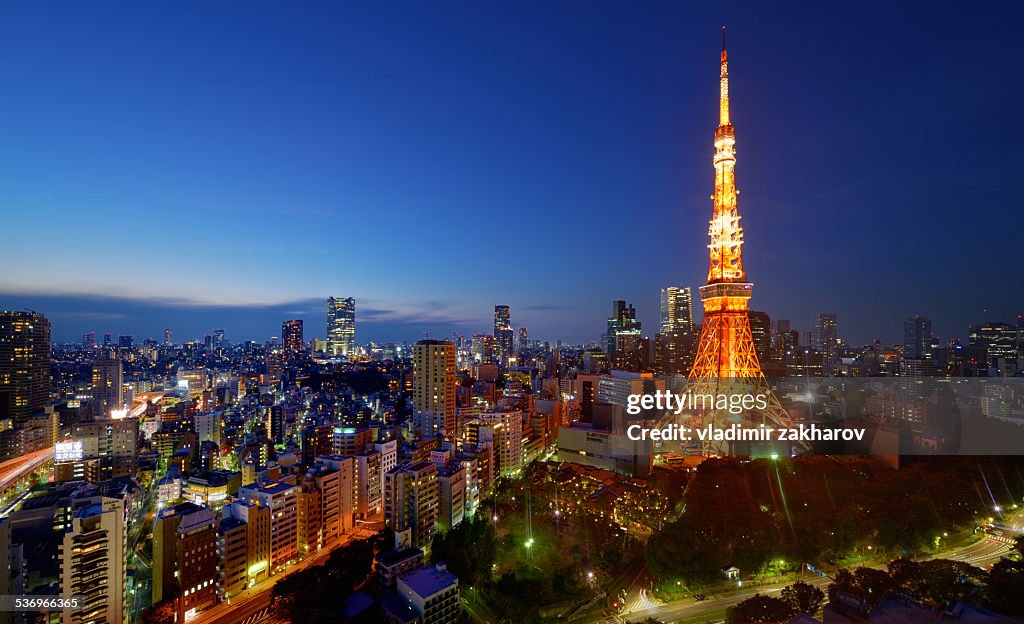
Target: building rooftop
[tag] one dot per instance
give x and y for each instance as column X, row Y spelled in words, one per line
column 356, row 604
column 429, row 581
column 270, row 487
column 399, row 609
column 417, row 467
column 196, row 520
column 179, row 509
column 90, row 510
column 393, row 557
column 229, row 523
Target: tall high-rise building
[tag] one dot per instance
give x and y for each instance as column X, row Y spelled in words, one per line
column 676, row 310
column 503, row 433
column 625, row 344
column 24, row 364
column 825, row 339
column 218, row 339
column 761, row 332
column 483, row 348
column 281, row 499
column 369, row 483
column 324, row 505
column 107, row 387
column 781, row 326
column 92, row 558
column 675, row 344
column 503, row 336
column 726, row 360
column 291, row 337
column 1000, row 342
column 434, row 385
column 244, row 543
column 452, row 509
column 113, row 442
column 917, row 337
column 622, row 321
column 186, row 559
column 411, row 500
column 523, row 342
column 89, row 340
column 341, row 326
column 168, row 337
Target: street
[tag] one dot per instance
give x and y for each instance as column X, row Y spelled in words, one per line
column 985, row 552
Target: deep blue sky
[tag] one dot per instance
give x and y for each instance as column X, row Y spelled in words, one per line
column 201, row 165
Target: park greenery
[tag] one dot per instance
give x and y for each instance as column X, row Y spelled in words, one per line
column 300, row 596
column 938, row 582
column 822, row 510
column 532, row 552
column 799, row 597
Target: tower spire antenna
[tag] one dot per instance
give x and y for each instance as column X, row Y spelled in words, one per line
column 723, row 103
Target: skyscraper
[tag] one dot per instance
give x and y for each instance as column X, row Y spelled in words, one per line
column 92, row 558
column 726, row 361
column 107, row 387
column 1000, row 342
column 676, row 310
column 113, row 442
column 280, row 497
column 411, row 500
column 434, row 382
column 761, row 331
column 168, row 337
column 917, row 337
column 291, row 337
column 624, row 338
column 185, row 558
column 825, row 339
column 503, row 335
column 341, row 326
column 24, row 364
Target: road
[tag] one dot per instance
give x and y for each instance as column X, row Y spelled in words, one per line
column 982, row 553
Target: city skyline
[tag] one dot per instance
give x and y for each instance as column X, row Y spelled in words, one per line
column 513, row 143
column 346, row 314
column 383, row 326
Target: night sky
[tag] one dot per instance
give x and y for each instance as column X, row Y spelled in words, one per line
column 201, row 165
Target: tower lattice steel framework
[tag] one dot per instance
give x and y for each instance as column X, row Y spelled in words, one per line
column 726, row 361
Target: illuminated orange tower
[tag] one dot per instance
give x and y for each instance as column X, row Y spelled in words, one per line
column 726, row 361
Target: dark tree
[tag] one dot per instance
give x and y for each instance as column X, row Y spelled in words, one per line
column 1005, row 587
column 803, row 597
column 760, row 609
column 468, row 550
column 160, row 613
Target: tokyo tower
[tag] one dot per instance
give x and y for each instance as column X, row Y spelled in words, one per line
column 726, row 362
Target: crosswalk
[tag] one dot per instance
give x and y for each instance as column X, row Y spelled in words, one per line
column 259, row 616
column 641, row 602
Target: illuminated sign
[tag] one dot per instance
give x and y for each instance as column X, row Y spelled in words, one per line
column 67, row 451
column 119, row 414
